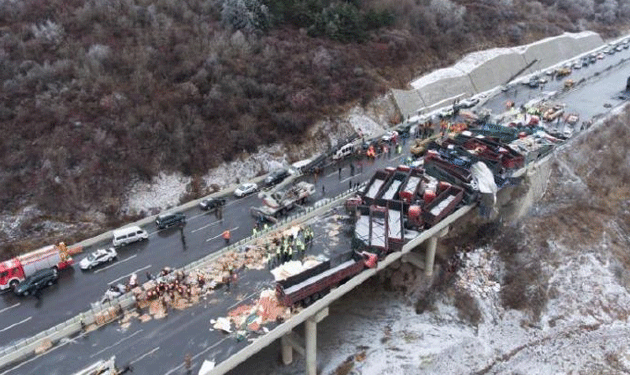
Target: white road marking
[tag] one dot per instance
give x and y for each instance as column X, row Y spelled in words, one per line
column 346, row 179
column 205, row 226
column 392, row 159
column 10, row 307
column 241, row 301
column 116, row 343
column 16, row 324
column 144, row 355
column 136, row 271
column 115, row 264
column 334, row 173
column 196, row 216
column 219, row 235
column 197, row 355
column 55, row 347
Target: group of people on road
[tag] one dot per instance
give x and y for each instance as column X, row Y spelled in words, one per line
column 287, row 247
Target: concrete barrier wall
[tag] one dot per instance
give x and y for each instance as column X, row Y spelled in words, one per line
column 551, row 51
column 481, row 71
column 497, row 67
column 458, row 84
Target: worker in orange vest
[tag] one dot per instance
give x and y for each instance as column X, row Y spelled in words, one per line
column 226, row 236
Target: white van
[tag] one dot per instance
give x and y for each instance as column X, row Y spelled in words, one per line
column 128, row 235
column 344, row 151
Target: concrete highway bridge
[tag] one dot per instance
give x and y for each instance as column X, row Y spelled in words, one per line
column 159, row 346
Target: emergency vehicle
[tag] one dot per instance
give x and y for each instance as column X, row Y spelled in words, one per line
column 14, row 271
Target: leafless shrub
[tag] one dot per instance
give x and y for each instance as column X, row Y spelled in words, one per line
column 467, row 308
column 48, row 32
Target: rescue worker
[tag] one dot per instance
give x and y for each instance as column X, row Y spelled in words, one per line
column 300, row 248
column 290, row 256
column 265, row 227
column 226, row 236
column 270, row 261
column 188, row 363
column 278, row 255
column 255, row 230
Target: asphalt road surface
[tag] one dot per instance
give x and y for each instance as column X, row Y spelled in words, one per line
column 159, row 346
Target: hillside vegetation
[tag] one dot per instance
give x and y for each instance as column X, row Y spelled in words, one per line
column 96, row 94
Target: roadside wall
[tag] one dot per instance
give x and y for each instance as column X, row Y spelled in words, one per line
column 495, row 67
column 484, row 70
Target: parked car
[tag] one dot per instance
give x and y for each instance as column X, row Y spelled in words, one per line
column 275, row 177
column 211, row 203
column 168, row 220
column 468, row 103
column 533, row 82
column 38, row 280
column 98, row 257
column 446, row 112
column 390, row 136
column 128, row 235
column 246, row 189
column 403, row 129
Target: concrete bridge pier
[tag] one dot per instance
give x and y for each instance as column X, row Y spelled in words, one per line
column 291, row 341
column 429, row 258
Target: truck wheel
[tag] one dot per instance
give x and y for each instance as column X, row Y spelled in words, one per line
column 13, row 284
column 26, row 293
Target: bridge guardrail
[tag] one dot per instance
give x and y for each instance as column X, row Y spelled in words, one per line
column 25, row 347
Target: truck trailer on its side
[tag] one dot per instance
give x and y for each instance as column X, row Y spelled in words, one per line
column 314, row 283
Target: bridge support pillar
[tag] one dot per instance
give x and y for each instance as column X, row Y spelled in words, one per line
column 430, row 253
column 291, row 341
column 311, row 341
column 415, row 259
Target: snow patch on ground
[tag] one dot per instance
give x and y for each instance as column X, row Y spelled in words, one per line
column 166, row 190
column 163, row 192
column 247, row 167
column 584, row 327
column 363, row 124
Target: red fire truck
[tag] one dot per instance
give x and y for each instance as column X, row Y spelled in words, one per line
column 15, row 270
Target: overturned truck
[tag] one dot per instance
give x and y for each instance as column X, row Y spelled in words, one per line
column 314, row 283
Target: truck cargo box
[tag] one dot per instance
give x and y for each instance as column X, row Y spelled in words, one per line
column 390, row 189
column 411, row 188
column 443, row 205
column 374, row 186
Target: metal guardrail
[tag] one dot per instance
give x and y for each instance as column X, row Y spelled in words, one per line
column 25, row 347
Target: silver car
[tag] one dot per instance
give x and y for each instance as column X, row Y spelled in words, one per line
column 97, row 257
column 245, row 189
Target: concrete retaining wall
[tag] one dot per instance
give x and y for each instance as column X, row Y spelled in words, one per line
column 455, row 84
column 497, row 67
column 481, row 71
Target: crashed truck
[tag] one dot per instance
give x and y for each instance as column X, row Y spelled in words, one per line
column 314, row 283
column 277, row 203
